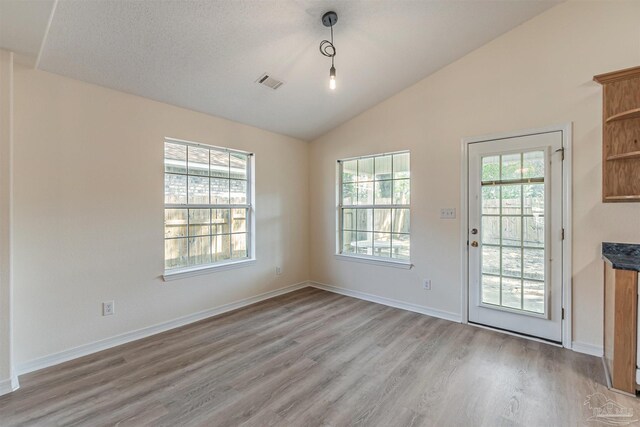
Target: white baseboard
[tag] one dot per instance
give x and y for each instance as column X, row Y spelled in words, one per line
column 86, row 349
column 9, row 385
column 593, row 350
column 454, row 317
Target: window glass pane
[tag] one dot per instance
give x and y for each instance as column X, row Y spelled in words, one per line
column 383, row 192
column 364, row 244
column 348, row 219
column 382, row 244
column 383, row 168
column 238, row 191
column 382, row 220
column 511, row 230
column 491, row 200
column 511, row 292
column 175, row 223
column 219, row 191
column 349, row 195
column 490, row 259
column 199, row 250
column 401, row 219
column 400, row 246
column 534, row 264
column 239, row 245
column 401, row 189
column 175, row 253
column 533, row 296
column 534, row 231
column 511, row 262
column 365, row 169
column 490, row 289
column 221, row 247
column 219, row 164
column 511, row 167
column 401, row 165
column 491, row 169
column 349, row 242
column 175, row 158
column 349, row 171
column 238, row 220
column 364, row 219
column 199, row 220
column 365, row 193
column 533, row 164
column 490, row 230
column 198, row 161
column 198, row 190
column 511, row 199
column 533, row 199
column 175, row 189
column 238, row 166
column 220, row 221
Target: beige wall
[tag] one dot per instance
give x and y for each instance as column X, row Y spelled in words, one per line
column 89, row 213
column 536, row 75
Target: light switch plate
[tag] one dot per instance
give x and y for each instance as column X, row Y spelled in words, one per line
column 448, row 213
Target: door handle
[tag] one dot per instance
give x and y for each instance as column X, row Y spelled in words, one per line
column 474, row 244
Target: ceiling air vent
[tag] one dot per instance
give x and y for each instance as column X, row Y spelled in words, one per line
column 270, row 82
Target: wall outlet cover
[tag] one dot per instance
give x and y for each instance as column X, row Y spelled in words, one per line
column 108, row 308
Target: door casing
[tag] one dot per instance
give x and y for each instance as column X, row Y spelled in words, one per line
column 566, row 130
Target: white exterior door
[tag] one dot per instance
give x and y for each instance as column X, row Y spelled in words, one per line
column 515, row 234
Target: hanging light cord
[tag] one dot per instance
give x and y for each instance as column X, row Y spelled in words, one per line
column 327, row 48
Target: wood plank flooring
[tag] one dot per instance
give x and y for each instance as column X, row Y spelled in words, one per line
column 314, row 358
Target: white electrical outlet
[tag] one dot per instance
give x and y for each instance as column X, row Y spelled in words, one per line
column 278, row 271
column 448, row 213
column 108, row 308
column 426, row 285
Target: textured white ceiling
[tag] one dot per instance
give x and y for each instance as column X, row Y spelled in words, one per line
column 206, row 55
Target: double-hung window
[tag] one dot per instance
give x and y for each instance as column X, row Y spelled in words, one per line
column 374, row 207
column 208, row 212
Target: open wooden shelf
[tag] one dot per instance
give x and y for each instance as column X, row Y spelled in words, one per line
column 626, row 115
column 631, row 198
column 620, row 135
column 623, row 156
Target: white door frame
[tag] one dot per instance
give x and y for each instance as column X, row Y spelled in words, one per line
column 566, row 130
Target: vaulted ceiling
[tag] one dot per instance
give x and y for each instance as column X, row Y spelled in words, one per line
column 207, row 54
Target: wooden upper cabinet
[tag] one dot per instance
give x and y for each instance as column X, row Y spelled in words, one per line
column 621, row 135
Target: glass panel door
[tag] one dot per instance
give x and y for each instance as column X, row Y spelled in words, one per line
column 515, row 234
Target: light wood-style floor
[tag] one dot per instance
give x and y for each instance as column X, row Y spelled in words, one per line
column 312, row 358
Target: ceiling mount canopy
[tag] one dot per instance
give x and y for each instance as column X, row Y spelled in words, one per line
column 327, row 48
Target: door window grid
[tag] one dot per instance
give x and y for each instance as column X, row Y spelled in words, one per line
column 512, row 235
column 208, row 210
column 374, row 214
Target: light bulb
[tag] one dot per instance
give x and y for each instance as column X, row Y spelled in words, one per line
column 332, row 78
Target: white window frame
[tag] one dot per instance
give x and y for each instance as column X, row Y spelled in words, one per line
column 179, row 273
column 366, row 259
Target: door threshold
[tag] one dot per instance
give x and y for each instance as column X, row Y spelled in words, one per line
column 516, row 334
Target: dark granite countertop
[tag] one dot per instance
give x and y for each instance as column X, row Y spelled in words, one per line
column 622, row 256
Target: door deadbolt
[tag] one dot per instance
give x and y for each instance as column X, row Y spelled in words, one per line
column 474, row 231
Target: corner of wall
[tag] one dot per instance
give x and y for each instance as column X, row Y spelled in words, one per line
column 8, row 381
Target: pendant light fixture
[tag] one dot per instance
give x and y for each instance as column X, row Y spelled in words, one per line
column 327, row 48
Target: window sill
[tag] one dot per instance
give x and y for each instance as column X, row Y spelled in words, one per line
column 206, row 269
column 382, row 262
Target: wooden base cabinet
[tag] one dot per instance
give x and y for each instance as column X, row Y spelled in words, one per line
column 621, row 328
